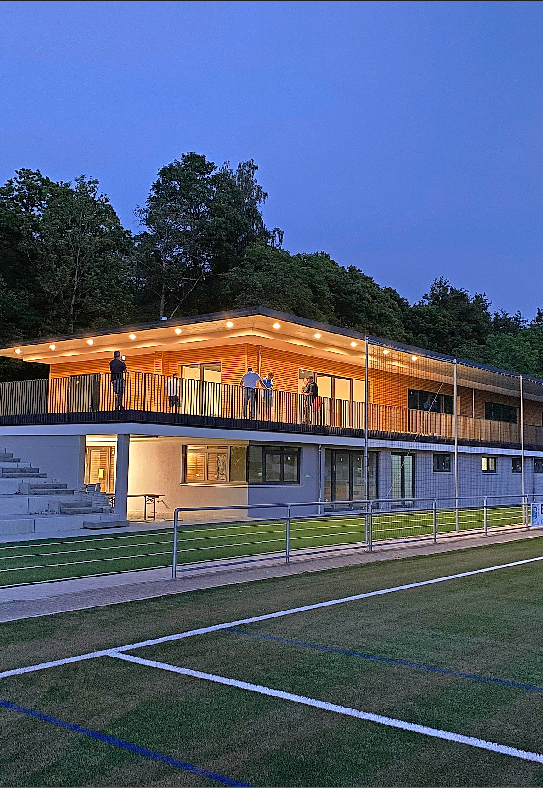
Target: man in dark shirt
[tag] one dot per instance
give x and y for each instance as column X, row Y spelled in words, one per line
column 118, row 370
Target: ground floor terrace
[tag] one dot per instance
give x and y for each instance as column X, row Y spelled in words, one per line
column 149, row 470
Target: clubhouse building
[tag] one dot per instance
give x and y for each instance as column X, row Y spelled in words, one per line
column 390, row 422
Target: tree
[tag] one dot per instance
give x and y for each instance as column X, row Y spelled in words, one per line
column 68, row 266
column 198, row 222
column 447, row 318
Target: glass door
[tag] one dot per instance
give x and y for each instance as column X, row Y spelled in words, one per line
column 403, row 477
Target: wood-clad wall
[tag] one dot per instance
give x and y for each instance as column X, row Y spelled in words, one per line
column 387, row 387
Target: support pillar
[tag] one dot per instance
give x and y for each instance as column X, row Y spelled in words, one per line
column 455, row 413
column 121, row 475
column 366, row 421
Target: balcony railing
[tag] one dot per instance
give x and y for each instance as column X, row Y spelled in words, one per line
column 95, row 397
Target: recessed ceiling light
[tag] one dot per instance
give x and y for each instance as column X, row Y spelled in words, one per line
column 132, row 336
column 277, row 326
column 386, row 351
column 414, row 358
column 353, row 344
column 17, row 350
column 90, row 341
column 229, row 324
column 317, row 335
column 52, row 346
column 178, row 331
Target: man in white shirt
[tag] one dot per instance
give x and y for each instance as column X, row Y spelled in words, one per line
column 249, row 381
column 172, row 390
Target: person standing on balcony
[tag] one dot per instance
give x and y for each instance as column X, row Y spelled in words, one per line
column 268, row 395
column 311, row 398
column 172, row 390
column 249, row 381
column 118, row 370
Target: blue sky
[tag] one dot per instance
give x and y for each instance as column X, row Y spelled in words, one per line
column 404, row 138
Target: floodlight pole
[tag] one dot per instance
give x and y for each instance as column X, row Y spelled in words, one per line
column 455, row 412
column 524, row 508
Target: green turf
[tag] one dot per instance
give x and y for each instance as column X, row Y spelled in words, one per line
column 36, row 561
column 489, row 624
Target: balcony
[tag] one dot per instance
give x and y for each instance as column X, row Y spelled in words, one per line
column 152, row 398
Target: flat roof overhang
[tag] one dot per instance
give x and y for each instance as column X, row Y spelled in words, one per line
column 260, row 325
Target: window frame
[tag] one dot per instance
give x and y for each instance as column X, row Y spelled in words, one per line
column 497, row 410
column 494, row 460
column 538, row 462
column 206, row 449
column 271, row 449
column 441, row 398
column 442, row 471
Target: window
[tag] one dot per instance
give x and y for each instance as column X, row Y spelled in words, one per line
column 538, row 466
column 336, row 387
column 516, row 464
column 430, row 401
column 269, row 464
column 442, row 462
column 214, row 464
column 500, row 412
column 205, row 371
column 488, row 463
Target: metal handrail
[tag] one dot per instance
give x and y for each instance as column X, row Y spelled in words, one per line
column 368, row 512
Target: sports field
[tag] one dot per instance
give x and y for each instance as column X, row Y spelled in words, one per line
column 425, row 671
column 62, row 558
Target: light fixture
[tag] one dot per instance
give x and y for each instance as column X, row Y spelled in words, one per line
column 17, row 350
column 317, row 336
column 414, row 358
column 386, row 351
column 277, row 326
column 353, row 344
column 52, row 346
column 132, row 336
column 178, row 331
column 229, row 324
column 90, row 341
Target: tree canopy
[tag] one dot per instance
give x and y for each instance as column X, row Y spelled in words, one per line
column 67, row 264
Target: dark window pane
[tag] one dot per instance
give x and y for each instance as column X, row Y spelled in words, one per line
column 538, row 466
column 290, row 467
column 442, row 462
column 516, row 464
column 272, row 473
column 238, row 464
column 254, row 464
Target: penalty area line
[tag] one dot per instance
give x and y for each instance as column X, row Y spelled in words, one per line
column 399, row 724
column 260, row 618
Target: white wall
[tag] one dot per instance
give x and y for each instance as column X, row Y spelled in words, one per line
column 155, row 468
column 61, row 457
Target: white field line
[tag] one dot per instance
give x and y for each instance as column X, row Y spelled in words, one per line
column 398, row 724
column 259, row 618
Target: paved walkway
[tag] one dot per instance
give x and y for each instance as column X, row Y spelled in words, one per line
column 36, row 600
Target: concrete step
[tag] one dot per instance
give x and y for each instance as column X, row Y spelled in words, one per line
column 22, row 525
column 8, row 457
column 115, row 523
column 16, row 463
column 50, row 491
column 71, row 510
column 35, row 488
column 21, row 471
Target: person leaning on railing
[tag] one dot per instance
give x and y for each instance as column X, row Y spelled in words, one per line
column 172, row 390
column 249, row 381
column 118, row 371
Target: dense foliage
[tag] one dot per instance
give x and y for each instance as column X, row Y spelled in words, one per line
column 68, row 265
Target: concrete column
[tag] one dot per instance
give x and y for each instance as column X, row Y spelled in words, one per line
column 121, row 474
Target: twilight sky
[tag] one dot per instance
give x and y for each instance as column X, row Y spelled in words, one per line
column 402, row 137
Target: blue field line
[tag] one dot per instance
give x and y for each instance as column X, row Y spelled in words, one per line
column 131, row 747
column 398, row 661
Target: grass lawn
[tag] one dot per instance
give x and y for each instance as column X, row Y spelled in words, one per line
column 378, row 658
column 62, row 558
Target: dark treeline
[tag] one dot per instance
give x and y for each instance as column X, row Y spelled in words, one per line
column 68, row 265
